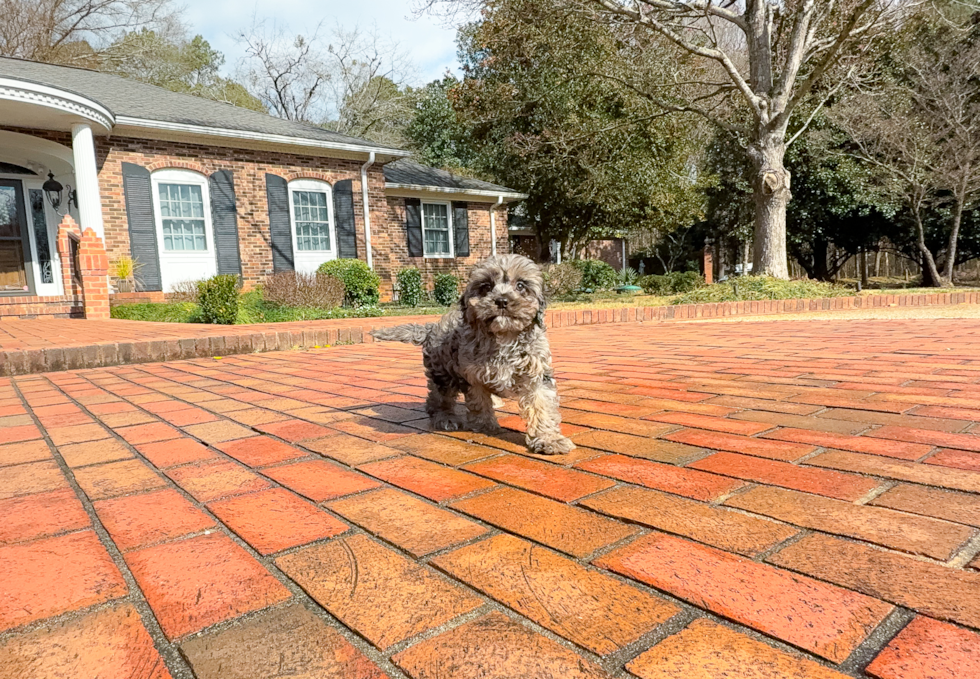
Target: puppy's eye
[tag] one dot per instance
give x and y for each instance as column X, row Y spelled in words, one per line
column 485, row 289
column 522, row 286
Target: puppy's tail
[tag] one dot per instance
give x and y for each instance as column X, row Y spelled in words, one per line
column 410, row 333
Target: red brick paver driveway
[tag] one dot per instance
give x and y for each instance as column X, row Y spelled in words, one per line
column 760, row 500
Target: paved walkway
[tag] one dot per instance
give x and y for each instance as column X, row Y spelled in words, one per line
column 757, row 500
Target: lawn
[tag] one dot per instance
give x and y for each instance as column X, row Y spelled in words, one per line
column 254, row 309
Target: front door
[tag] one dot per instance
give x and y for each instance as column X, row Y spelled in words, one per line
column 15, row 247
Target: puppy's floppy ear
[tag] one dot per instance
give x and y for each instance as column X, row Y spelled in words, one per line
column 542, row 305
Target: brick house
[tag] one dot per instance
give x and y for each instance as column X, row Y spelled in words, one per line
column 190, row 187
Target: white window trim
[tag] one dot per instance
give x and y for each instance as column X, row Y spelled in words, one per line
column 183, row 177
column 449, row 221
column 322, row 187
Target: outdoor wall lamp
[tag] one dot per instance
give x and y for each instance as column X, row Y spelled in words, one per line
column 54, row 191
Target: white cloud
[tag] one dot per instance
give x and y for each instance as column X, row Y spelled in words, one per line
column 427, row 40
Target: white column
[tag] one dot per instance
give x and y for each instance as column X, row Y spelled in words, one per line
column 87, row 179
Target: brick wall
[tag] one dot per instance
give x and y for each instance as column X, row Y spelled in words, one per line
column 391, row 245
column 249, row 168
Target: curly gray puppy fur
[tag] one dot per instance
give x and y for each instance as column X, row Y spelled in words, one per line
column 493, row 344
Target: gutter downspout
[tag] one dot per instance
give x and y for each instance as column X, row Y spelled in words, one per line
column 367, row 209
column 493, row 225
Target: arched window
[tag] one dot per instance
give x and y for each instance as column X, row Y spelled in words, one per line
column 312, row 223
column 185, row 238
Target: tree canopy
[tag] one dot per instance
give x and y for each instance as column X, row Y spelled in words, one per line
column 538, row 121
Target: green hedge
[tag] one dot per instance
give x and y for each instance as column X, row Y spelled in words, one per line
column 671, row 283
column 410, row 291
column 596, row 274
column 218, row 299
column 361, row 285
column 446, row 289
column 745, row 288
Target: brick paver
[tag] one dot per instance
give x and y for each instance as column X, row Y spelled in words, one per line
column 753, row 500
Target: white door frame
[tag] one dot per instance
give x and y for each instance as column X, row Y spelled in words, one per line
column 52, row 219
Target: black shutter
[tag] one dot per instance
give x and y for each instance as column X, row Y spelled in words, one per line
column 461, row 230
column 280, row 231
column 413, row 224
column 224, row 219
column 142, row 227
column 343, row 214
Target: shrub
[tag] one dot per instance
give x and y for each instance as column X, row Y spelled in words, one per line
column 313, row 290
column 671, row 283
column 762, row 287
column 123, row 268
column 185, row 291
column 218, row 298
column 628, row 276
column 562, row 280
column 361, row 285
column 410, row 287
column 596, row 274
column 446, row 289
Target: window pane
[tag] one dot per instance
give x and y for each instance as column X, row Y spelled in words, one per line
column 311, row 220
column 435, row 226
column 182, row 210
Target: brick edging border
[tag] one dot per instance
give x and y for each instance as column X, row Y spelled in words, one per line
column 305, row 335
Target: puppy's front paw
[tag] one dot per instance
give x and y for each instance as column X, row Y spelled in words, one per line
column 485, row 425
column 555, row 446
column 444, row 422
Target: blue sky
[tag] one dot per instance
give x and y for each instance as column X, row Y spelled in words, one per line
column 428, row 41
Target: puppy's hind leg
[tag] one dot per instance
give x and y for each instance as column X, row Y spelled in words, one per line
column 479, row 402
column 440, row 404
column 539, row 408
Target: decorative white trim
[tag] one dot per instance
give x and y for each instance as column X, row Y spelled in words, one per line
column 316, row 257
column 177, row 266
column 396, row 190
column 280, row 139
column 27, row 92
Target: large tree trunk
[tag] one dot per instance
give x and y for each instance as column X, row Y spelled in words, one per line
column 771, row 193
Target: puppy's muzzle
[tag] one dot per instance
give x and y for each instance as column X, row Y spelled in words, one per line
column 501, row 302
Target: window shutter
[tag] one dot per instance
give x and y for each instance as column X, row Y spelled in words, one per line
column 343, row 214
column 461, row 230
column 142, row 226
column 413, row 224
column 224, row 219
column 280, row 229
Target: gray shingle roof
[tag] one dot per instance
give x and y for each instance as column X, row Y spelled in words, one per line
column 124, row 97
column 408, row 172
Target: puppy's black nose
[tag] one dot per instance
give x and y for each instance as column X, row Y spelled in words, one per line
column 501, row 302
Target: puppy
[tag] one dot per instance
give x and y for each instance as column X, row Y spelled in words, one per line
column 494, row 344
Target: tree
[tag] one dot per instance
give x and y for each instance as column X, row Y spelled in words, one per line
column 436, row 132
column 369, row 87
column 594, row 158
column 288, row 75
column 920, row 127
column 769, row 56
column 350, row 81
column 174, row 63
column 73, row 32
column 835, row 199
